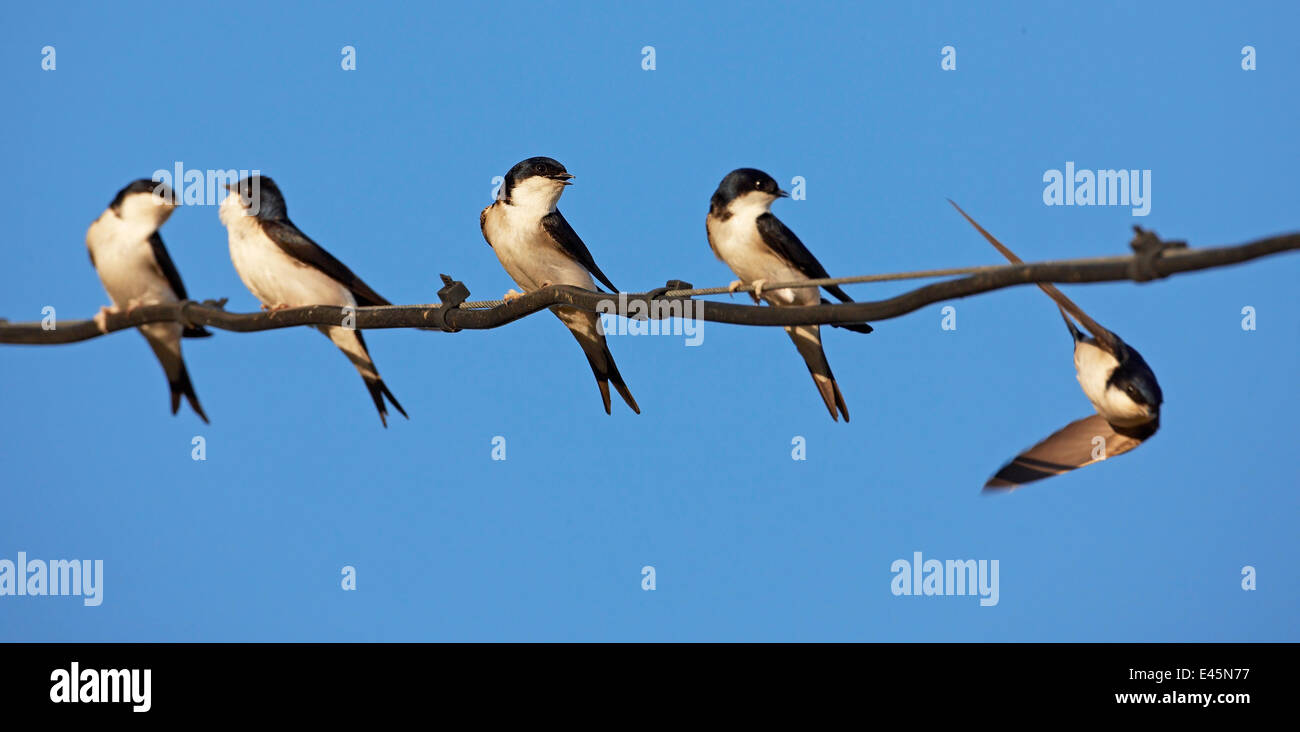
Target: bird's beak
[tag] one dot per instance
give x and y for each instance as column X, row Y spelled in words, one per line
column 565, row 178
column 782, row 194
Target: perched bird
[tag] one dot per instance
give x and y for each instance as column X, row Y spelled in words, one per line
column 754, row 243
column 1115, row 378
column 284, row 268
column 128, row 253
column 538, row 248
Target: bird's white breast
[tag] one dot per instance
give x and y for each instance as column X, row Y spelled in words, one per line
column 125, row 262
column 738, row 243
column 527, row 252
column 273, row 276
column 1093, row 367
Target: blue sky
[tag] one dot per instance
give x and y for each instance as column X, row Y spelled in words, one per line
column 388, row 166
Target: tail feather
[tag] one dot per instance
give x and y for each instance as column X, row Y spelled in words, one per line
column 353, row 345
column 1074, row 331
column 583, row 327
column 378, row 390
column 606, row 373
column 807, row 338
column 186, row 387
column 1065, row 304
column 178, row 377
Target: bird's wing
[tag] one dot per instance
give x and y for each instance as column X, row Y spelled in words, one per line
column 173, row 276
column 299, row 246
column 568, row 240
column 1073, row 446
column 778, row 237
column 166, row 266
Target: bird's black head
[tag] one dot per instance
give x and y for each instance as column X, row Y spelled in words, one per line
column 549, row 169
column 1136, row 380
column 144, row 185
column 261, row 197
column 741, row 182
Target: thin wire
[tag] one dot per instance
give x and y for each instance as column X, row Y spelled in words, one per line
column 768, row 287
column 854, row 280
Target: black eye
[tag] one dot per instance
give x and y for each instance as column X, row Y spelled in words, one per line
column 539, row 168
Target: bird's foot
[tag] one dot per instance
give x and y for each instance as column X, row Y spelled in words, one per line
column 735, row 285
column 758, row 288
column 512, row 295
column 101, row 318
column 275, row 308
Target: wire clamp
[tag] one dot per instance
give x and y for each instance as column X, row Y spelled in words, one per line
column 452, row 294
column 1148, row 247
column 669, row 286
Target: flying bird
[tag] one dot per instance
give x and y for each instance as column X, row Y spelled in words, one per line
column 128, row 253
column 1115, row 378
column 538, row 248
column 284, row 268
column 759, row 249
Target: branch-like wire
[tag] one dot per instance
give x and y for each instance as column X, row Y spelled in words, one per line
column 456, row 314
